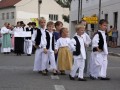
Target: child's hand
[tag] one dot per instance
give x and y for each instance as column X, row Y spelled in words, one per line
column 99, row 50
column 45, row 50
column 56, row 51
column 36, row 46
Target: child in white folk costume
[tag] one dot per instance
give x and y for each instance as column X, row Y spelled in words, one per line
column 98, row 60
column 78, row 47
column 64, row 54
column 28, row 40
column 49, row 47
column 38, row 39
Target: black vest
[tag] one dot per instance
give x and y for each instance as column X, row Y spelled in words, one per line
column 38, row 37
column 48, row 40
column 77, row 47
column 101, row 42
column 27, row 29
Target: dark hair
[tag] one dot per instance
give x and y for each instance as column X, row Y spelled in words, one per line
column 111, row 26
column 33, row 23
column 103, row 21
column 30, row 23
column 58, row 23
column 18, row 22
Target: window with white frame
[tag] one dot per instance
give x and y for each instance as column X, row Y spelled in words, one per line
column 3, row 16
column 12, row 15
column 7, row 15
column 53, row 17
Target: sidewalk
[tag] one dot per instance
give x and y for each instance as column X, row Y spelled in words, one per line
column 114, row 51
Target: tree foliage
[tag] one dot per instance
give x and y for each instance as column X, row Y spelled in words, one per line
column 64, row 4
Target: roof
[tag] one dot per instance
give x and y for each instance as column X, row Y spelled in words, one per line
column 8, row 3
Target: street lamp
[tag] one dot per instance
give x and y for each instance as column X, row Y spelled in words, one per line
column 39, row 3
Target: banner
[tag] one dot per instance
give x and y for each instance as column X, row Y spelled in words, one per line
column 22, row 34
column 36, row 21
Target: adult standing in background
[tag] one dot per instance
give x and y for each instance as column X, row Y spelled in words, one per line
column 110, row 36
column 6, row 39
column 114, row 37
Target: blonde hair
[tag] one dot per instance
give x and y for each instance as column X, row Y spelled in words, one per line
column 50, row 23
column 42, row 18
column 78, row 26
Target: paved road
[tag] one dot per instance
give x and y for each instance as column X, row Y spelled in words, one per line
column 16, row 74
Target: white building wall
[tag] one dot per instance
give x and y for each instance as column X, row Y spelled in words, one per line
column 91, row 7
column 6, row 10
column 27, row 9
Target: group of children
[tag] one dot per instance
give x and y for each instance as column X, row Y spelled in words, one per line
column 70, row 53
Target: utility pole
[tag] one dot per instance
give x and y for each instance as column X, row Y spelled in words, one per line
column 99, row 11
column 79, row 10
column 39, row 3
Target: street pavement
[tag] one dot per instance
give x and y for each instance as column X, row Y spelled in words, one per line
column 114, row 51
column 16, row 74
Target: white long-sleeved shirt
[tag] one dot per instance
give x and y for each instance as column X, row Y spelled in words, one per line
column 62, row 42
column 82, row 47
column 4, row 30
column 95, row 41
column 86, row 38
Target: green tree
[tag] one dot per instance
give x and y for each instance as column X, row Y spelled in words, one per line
column 64, row 4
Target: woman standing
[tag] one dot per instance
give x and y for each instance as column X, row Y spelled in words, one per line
column 114, row 38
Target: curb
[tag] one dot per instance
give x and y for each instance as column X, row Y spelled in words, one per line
column 114, row 54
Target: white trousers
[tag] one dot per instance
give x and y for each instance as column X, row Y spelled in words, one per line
column 78, row 64
column 98, row 64
column 46, row 58
column 38, row 60
column 28, row 46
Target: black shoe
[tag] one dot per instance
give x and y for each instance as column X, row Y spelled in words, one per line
column 46, row 70
column 7, row 53
column 55, row 73
column 39, row 72
column 101, row 78
column 4, row 53
column 93, row 78
column 62, row 73
column 28, row 54
column 82, row 79
column 71, row 78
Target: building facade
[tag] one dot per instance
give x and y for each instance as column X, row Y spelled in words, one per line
column 25, row 10
column 110, row 10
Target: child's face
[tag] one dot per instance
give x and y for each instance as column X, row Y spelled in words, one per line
column 104, row 26
column 42, row 23
column 80, row 31
column 50, row 28
column 59, row 27
column 65, row 33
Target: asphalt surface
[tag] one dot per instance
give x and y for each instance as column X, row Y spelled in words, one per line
column 16, row 74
